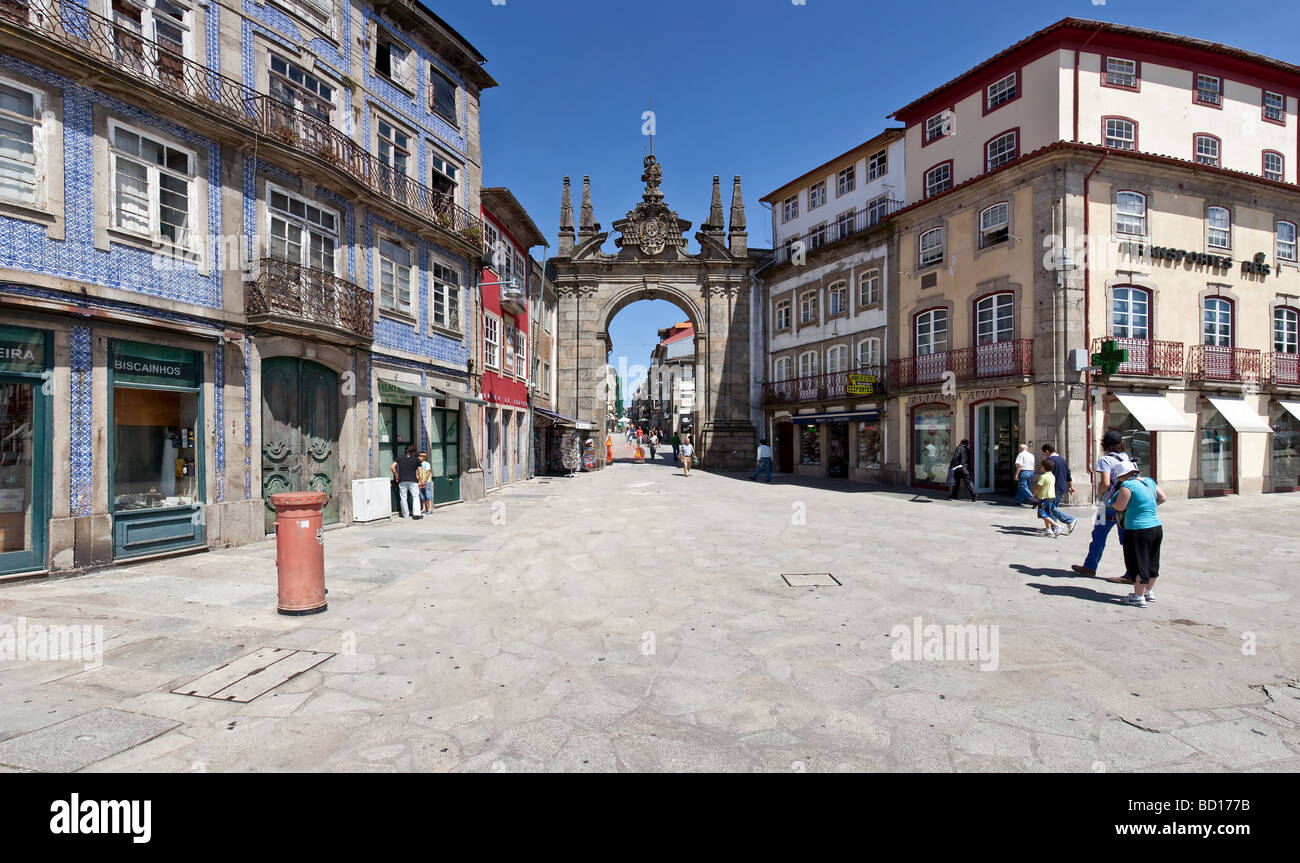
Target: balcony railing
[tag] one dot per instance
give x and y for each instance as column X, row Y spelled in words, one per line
column 837, row 230
column 1282, row 368
column 128, row 51
column 304, row 298
column 999, row 359
column 1214, row 363
column 1147, row 357
column 818, row 388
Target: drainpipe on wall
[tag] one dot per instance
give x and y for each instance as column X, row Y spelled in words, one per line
column 1087, row 319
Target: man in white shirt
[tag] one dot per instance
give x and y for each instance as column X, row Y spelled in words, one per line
column 1024, row 473
column 764, row 461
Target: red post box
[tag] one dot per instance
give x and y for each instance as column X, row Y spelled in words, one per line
column 300, row 551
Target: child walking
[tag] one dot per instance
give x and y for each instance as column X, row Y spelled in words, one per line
column 1045, row 492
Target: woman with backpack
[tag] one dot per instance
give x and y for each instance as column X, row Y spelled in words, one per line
column 1136, row 502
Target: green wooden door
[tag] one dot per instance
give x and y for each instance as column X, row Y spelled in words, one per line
column 444, row 455
column 300, row 432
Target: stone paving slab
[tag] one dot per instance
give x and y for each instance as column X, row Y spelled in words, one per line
column 81, row 741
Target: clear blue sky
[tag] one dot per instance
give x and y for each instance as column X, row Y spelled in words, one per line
column 762, row 88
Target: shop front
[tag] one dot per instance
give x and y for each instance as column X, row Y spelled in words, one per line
column 932, row 444
column 1230, row 433
column 1142, row 419
column 996, row 441
column 156, row 447
column 838, row 445
column 25, row 457
column 1284, row 457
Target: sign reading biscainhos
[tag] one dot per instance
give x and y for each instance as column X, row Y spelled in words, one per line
column 131, row 817
column 950, row 642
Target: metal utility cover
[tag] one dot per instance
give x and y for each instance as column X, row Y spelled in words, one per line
column 810, row 579
column 253, row 675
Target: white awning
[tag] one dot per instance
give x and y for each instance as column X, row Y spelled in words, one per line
column 1154, row 413
column 1292, row 408
column 1240, row 415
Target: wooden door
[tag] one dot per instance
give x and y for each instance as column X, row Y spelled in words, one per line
column 300, row 432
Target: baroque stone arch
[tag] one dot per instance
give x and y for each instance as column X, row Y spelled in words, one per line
column 712, row 288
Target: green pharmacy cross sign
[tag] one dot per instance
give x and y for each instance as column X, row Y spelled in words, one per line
column 1110, row 358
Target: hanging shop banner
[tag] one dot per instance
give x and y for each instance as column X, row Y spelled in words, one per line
column 22, row 350
column 157, row 365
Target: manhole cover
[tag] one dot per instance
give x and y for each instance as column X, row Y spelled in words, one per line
column 810, row 579
column 255, row 674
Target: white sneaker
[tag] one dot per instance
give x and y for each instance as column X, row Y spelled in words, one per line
column 1151, row 597
column 1134, row 599
column 1049, row 533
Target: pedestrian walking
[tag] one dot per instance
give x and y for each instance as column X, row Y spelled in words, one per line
column 764, row 461
column 424, row 480
column 1064, row 482
column 406, row 474
column 1113, row 464
column 677, row 446
column 654, row 443
column 1045, row 494
column 1136, row 502
column 959, row 469
column 1023, row 473
column 609, row 449
column 688, row 453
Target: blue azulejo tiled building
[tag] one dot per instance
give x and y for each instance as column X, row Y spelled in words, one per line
column 237, row 252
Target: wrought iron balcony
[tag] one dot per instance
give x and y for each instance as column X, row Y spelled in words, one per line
column 829, row 386
column 836, row 230
column 513, row 299
column 295, row 298
column 175, row 76
column 1282, row 369
column 1214, row 363
column 999, row 359
column 1147, row 357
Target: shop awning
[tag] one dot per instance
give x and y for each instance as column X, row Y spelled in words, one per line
column 390, row 389
column 842, row 417
column 457, row 394
column 1293, row 408
column 560, row 419
column 1154, row 413
column 1240, row 415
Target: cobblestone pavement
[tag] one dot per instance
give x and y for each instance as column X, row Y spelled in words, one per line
column 633, row 619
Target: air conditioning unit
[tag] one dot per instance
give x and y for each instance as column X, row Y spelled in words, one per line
column 372, row 498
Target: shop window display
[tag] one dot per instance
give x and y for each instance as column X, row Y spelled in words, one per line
column 155, row 452
column 810, row 445
column 1139, row 443
column 1286, row 453
column 932, row 444
column 869, row 445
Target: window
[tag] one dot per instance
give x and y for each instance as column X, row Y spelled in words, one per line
column 302, row 233
column 932, row 332
column 1121, row 73
column 783, row 315
column 393, row 60
column 394, row 152
column 837, row 359
column 807, row 364
column 1273, row 166
column 877, row 209
column 1286, row 241
column 938, row 179
column 931, row 247
column 846, row 180
column 817, row 237
column 869, row 288
column 521, row 352
column 995, row 319
column 445, row 175
column 1130, row 314
column 1131, row 213
column 1218, row 228
column 1000, row 92
column 446, row 297
column 781, row 369
column 790, row 208
column 1207, row 150
column 1286, row 330
column 994, row 224
column 844, row 224
column 151, row 38
column 20, row 142
column 295, row 88
column 316, row 11
column 816, row 195
column 1121, row 134
column 1208, row 90
column 442, row 96
column 938, row 126
column 869, row 353
column 491, row 340
column 1000, row 150
column 808, row 308
column 877, row 165
column 1217, row 323
column 1274, row 105
column 151, row 186
column 492, row 244
column 508, row 357
column 837, row 299
column 394, row 277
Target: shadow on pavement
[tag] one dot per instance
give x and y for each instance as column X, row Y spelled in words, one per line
column 1019, row 529
column 1041, row 572
column 1076, row 593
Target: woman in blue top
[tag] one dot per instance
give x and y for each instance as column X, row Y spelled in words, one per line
column 1136, row 500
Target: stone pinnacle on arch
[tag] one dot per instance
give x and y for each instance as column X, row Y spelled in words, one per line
column 586, row 218
column 565, row 247
column 737, row 206
column 714, row 225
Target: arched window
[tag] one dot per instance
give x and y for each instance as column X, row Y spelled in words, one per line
column 1218, row 228
column 931, row 247
column 1207, row 149
column 808, row 307
column 1286, row 330
column 837, row 297
column 1274, row 166
column 1119, row 133
column 807, row 364
column 1131, row 213
column 781, row 369
column 1216, row 329
column 932, row 331
column 869, row 288
column 869, row 354
column 994, row 224
column 1130, row 313
column 1286, row 241
column 837, row 359
column 995, row 319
